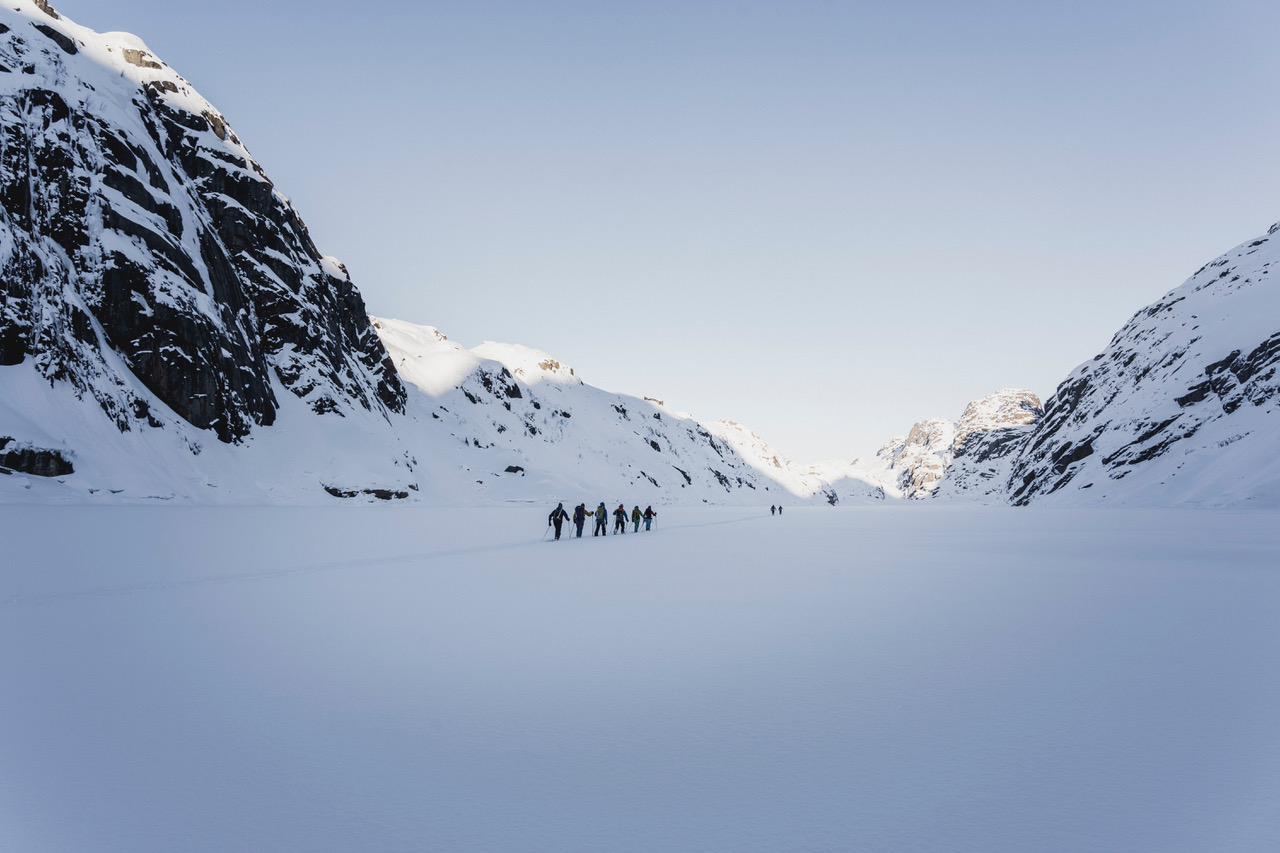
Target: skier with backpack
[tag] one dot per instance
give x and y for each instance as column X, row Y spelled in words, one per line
column 579, row 517
column 635, row 518
column 602, row 519
column 620, row 519
column 557, row 518
column 649, row 515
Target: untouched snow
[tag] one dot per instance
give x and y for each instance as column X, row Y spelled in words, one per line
column 400, row 678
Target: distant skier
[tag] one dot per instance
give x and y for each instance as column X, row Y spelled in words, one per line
column 648, row 516
column 579, row 517
column 779, row 509
column 557, row 518
column 635, row 518
column 620, row 519
column 773, row 510
column 602, row 519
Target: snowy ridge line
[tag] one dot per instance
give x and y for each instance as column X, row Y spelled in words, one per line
column 519, row 423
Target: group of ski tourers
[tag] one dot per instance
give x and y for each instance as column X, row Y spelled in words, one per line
column 601, row 515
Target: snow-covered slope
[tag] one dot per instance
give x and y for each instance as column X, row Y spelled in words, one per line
column 1180, row 408
column 506, row 422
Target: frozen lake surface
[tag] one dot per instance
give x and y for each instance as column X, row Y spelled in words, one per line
column 905, row 678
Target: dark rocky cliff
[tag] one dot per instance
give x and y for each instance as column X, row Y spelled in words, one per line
column 146, row 258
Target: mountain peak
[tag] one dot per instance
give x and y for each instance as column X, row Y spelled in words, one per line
column 530, row 365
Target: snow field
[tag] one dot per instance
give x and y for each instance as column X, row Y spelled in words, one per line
column 398, row 678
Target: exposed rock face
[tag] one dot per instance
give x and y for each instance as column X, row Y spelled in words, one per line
column 988, row 437
column 1182, row 404
column 1009, row 407
column 907, row 466
column 930, row 458
column 923, row 458
column 39, row 461
column 982, row 463
column 146, row 258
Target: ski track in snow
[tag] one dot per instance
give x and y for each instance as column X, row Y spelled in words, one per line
column 295, row 571
column 424, row 557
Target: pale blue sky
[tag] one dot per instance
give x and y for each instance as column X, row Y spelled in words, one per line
column 823, row 220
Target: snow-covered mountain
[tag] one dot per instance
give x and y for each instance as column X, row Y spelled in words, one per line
column 1179, row 409
column 136, row 221
column 151, row 270
column 988, row 436
column 506, row 422
column 914, row 466
column 168, row 330
column 1183, row 406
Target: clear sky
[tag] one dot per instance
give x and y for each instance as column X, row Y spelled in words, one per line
column 825, row 220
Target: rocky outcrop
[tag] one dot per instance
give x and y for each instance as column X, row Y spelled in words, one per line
column 989, row 436
column 907, row 466
column 147, row 260
column 924, row 456
column 1005, row 409
column 982, row 464
column 37, row 461
column 939, row 457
